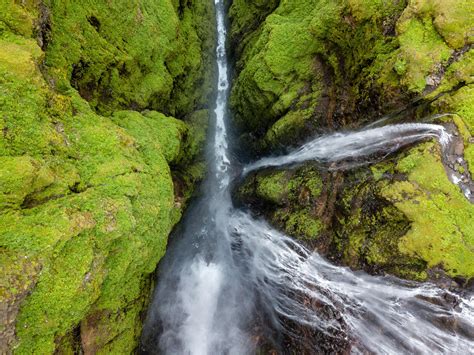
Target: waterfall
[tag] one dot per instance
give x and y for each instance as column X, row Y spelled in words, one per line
column 359, row 145
column 228, row 280
column 203, row 304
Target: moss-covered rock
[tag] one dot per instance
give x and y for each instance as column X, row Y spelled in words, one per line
column 297, row 64
column 87, row 187
column 316, row 65
column 303, row 68
column 405, row 217
column 292, row 199
column 442, row 231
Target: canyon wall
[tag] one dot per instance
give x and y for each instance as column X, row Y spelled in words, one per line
column 304, row 68
column 103, row 115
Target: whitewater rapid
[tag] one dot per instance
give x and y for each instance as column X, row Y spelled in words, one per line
column 230, row 283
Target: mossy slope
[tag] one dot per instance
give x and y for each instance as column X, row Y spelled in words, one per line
column 315, row 65
column 86, row 191
column 311, row 66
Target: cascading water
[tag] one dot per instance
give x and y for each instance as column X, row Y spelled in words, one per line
column 228, row 279
column 202, row 301
column 338, row 147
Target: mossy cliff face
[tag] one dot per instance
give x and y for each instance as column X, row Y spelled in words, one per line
column 94, row 171
column 313, row 66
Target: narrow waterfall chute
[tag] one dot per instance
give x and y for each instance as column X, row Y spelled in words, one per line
column 230, row 282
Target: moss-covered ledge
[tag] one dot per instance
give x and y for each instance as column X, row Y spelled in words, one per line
column 402, row 216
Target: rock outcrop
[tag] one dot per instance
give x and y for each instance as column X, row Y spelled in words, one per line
column 310, row 67
column 103, row 113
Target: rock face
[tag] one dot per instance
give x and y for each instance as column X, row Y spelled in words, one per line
column 94, row 170
column 308, row 67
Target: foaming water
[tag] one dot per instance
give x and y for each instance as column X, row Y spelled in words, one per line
column 205, row 280
column 229, row 280
column 382, row 314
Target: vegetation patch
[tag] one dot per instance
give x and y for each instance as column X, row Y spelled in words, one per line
column 309, row 67
column 87, row 162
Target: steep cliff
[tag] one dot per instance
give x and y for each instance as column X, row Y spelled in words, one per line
column 309, row 67
column 94, row 170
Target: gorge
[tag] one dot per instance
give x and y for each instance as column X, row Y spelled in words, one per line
column 231, row 284
column 329, row 209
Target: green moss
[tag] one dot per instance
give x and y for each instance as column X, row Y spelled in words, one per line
column 70, row 343
column 451, row 18
column 442, row 219
column 272, row 188
column 370, row 9
column 301, row 224
column 15, row 18
column 369, row 228
column 421, row 49
column 282, row 187
column 405, row 226
column 351, row 244
column 17, row 175
column 305, row 179
column 105, row 332
column 247, row 15
column 290, row 199
column 198, row 123
column 278, row 66
column 153, row 133
column 287, row 129
column 70, row 294
column 87, row 199
column 429, row 31
column 115, row 222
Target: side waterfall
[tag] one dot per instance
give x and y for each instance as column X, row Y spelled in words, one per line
column 337, row 147
column 229, row 280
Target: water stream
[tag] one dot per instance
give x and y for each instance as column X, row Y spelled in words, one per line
column 230, row 283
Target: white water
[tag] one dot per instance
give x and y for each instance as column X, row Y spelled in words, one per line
column 359, row 145
column 385, row 314
column 228, row 279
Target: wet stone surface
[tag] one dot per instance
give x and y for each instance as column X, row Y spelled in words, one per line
column 455, row 165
